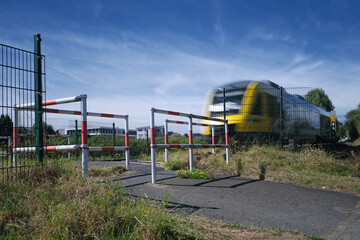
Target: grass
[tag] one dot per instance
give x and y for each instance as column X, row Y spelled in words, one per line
column 108, row 171
column 312, row 167
column 56, row 202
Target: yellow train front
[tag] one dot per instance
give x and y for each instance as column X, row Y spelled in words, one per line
column 255, row 109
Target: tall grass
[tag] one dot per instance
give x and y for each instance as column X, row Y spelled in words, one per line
column 55, row 202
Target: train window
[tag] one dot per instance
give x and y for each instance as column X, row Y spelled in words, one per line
column 256, row 108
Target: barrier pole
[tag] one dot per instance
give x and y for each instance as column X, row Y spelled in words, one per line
column 84, row 146
column 15, row 135
column 152, row 136
column 227, row 142
column 127, row 151
column 113, row 135
column 190, row 142
column 69, row 156
column 166, row 141
column 213, row 138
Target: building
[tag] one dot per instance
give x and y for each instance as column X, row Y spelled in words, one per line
column 102, row 131
column 143, row 132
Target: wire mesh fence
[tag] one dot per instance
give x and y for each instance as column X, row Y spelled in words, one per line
column 17, row 79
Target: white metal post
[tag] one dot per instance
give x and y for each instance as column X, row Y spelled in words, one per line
column 152, row 144
column 69, row 156
column 191, row 146
column 84, row 146
column 166, row 141
column 213, row 137
column 15, row 135
column 227, row 142
column 127, row 151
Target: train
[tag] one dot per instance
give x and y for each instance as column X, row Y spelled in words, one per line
column 264, row 109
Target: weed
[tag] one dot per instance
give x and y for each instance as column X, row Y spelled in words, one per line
column 239, row 166
column 193, row 174
column 110, row 171
column 262, row 167
column 174, row 165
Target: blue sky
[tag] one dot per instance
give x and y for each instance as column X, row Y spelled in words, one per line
column 129, row 56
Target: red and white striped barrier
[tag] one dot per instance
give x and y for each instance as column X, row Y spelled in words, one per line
column 45, row 135
column 58, row 148
column 84, row 143
column 167, row 121
column 190, row 145
column 116, row 148
column 188, row 115
column 52, row 102
column 186, row 123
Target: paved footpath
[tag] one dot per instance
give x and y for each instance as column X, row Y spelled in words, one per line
column 245, row 201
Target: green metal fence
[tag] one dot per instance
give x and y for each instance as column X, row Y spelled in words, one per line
column 22, row 81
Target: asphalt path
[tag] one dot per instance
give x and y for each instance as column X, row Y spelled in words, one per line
column 245, row 201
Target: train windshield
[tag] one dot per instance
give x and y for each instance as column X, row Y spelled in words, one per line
column 232, row 103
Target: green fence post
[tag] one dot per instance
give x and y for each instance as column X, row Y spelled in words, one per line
column 114, row 139
column 147, row 142
column 281, row 118
column 76, row 135
column 224, row 102
column 38, row 99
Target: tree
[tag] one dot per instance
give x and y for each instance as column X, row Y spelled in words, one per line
column 352, row 123
column 319, row 98
column 6, row 125
column 48, row 129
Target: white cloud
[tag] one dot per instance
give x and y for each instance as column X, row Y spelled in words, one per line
column 131, row 74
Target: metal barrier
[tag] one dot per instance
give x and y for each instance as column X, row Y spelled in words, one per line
column 167, row 121
column 191, row 146
column 50, row 135
column 84, row 147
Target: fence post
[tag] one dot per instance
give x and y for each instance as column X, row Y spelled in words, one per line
column 38, row 99
column 113, row 132
column 152, row 136
column 191, row 146
column 84, row 142
column 15, row 136
column 227, row 142
column 224, row 101
column 166, row 141
column 69, row 156
column 9, row 150
column 281, row 118
column 127, row 151
column 147, row 142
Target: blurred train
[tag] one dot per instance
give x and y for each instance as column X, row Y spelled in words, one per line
column 255, row 108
